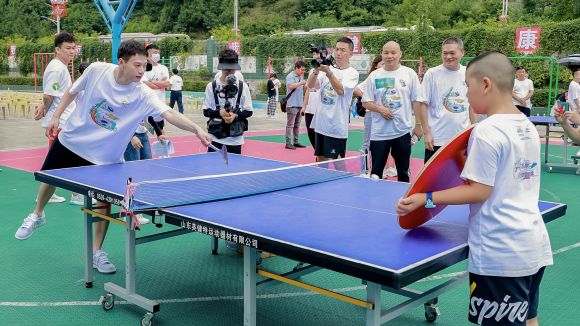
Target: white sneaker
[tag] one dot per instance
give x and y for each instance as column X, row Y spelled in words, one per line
column 390, row 172
column 31, row 222
column 79, row 200
column 578, row 153
column 142, row 219
column 55, row 199
column 102, row 264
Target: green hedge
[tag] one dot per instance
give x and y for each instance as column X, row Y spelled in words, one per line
column 194, row 85
column 5, row 80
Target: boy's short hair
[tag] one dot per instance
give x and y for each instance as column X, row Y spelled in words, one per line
column 175, row 71
column 299, row 64
column 129, row 48
column 496, row 66
column 63, row 37
column 228, row 60
column 346, row 40
column 520, row 68
column 454, row 40
column 273, row 75
column 151, row 46
column 83, row 66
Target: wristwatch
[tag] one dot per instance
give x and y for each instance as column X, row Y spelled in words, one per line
column 429, row 202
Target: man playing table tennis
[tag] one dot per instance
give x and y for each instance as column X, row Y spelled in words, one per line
column 509, row 246
column 113, row 104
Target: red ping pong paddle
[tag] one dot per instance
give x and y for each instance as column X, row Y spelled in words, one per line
column 441, row 172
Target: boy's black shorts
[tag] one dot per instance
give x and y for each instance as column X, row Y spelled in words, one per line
column 329, row 147
column 496, row 300
column 60, row 157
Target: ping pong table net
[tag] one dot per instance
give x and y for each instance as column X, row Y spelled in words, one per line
column 158, row 194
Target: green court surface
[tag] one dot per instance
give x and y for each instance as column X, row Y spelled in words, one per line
column 42, row 284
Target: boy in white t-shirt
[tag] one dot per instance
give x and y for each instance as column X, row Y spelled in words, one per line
column 55, row 81
column 574, row 92
column 446, row 110
column 336, row 86
column 508, row 242
column 227, row 122
column 176, row 90
column 113, row 103
column 157, row 78
column 392, row 94
column 523, row 91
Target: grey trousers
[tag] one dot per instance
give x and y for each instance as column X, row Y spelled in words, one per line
column 293, row 123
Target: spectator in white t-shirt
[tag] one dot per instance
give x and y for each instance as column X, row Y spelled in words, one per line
column 113, row 104
column 336, row 85
column 55, row 81
column 445, row 111
column 157, row 78
column 574, row 92
column 509, row 245
column 392, row 95
column 176, row 90
column 523, row 91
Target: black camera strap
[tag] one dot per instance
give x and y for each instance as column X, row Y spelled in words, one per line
column 215, row 94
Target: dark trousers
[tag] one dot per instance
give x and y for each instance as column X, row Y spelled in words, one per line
column 400, row 149
column 176, row 96
column 311, row 133
column 234, row 149
column 429, row 153
column 524, row 110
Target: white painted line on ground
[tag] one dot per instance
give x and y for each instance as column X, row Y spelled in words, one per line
column 239, row 297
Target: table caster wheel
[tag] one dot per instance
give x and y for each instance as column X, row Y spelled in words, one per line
column 108, row 302
column 147, row 319
column 431, row 312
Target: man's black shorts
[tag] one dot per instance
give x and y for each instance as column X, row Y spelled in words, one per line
column 60, row 157
column 498, row 300
column 329, row 147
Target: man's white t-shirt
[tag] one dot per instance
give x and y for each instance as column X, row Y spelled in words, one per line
column 158, row 73
column 313, row 99
column 573, row 94
column 522, row 88
column 107, row 114
column 445, row 93
column 55, row 81
column 507, row 235
column 245, row 104
column 396, row 90
column 176, row 83
column 332, row 115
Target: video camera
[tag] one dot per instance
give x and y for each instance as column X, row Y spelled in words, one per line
column 228, row 91
column 325, row 58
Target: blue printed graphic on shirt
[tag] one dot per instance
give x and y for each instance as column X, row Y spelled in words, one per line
column 454, row 101
column 525, row 169
column 103, row 116
column 328, row 95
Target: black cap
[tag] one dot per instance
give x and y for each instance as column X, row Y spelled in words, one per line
column 228, row 63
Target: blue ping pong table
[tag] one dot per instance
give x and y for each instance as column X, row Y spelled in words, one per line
column 347, row 225
column 548, row 121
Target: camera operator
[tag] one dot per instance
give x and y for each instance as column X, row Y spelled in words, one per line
column 336, row 85
column 227, row 104
column 295, row 99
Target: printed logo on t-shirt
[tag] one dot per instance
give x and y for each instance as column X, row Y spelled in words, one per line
column 454, row 102
column 328, row 95
column 525, row 169
column 103, row 116
column 55, row 86
column 524, row 132
column 390, row 95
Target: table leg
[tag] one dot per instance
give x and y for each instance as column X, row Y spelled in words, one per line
column 88, row 243
column 374, row 297
column 250, row 255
